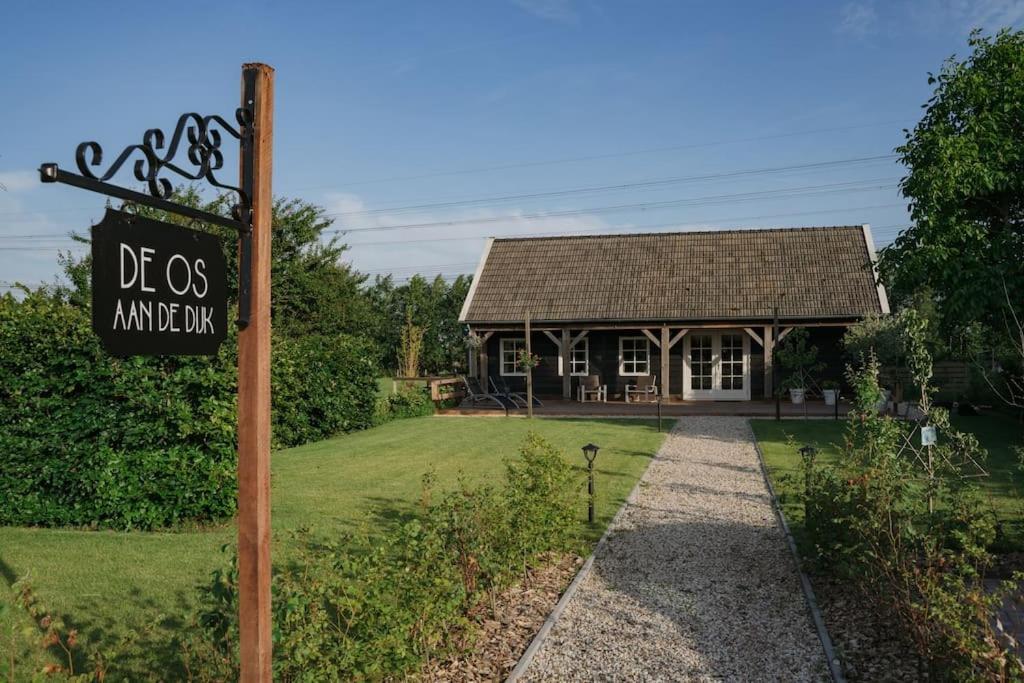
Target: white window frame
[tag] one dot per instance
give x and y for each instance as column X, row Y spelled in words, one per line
column 581, row 344
column 501, row 356
column 647, row 359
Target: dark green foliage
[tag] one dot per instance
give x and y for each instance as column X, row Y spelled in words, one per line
column 147, row 442
column 432, row 305
column 799, row 360
column 406, row 402
column 86, row 439
column 910, row 529
column 322, row 386
column 379, row 609
column 965, row 184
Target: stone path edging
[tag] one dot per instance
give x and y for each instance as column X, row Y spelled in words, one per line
column 545, row 629
column 834, row 666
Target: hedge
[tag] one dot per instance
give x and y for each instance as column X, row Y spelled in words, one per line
column 91, row 440
column 322, row 386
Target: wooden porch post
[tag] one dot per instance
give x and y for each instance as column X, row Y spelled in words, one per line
column 482, row 364
column 472, row 355
column 529, row 370
column 664, row 361
column 769, row 350
column 566, row 364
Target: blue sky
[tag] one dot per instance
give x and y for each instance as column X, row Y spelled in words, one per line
column 383, row 106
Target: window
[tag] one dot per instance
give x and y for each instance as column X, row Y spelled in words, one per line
column 634, row 356
column 510, row 349
column 579, row 358
column 732, row 362
column 700, row 362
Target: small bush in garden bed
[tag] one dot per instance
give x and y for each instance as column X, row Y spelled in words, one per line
column 406, row 402
column 380, row 610
column 910, row 529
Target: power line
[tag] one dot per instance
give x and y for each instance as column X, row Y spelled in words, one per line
column 710, row 222
column 656, row 182
column 610, row 155
column 552, row 193
column 786, row 193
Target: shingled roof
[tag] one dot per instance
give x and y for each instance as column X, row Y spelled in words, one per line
column 821, row 273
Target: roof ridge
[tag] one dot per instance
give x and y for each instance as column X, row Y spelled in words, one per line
column 680, row 232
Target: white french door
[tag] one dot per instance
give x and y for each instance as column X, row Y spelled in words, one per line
column 716, row 365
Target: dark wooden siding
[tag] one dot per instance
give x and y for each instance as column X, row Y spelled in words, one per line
column 830, row 352
column 604, row 361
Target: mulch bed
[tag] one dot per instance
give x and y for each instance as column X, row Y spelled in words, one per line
column 504, row 631
column 868, row 647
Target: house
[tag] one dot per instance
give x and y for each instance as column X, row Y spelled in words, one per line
column 696, row 309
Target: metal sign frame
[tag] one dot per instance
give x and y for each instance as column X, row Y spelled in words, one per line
column 201, row 137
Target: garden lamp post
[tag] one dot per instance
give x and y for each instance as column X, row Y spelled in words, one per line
column 590, row 453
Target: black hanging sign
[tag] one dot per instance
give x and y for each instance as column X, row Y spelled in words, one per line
column 157, row 288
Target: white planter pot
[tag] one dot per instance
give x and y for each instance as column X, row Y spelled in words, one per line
column 796, row 395
column 830, row 396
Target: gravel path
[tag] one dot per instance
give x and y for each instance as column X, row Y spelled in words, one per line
column 695, row 582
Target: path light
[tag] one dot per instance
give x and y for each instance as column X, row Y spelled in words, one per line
column 590, row 453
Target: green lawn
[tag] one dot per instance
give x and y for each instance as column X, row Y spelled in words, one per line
column 999, row 434
column 105, row 582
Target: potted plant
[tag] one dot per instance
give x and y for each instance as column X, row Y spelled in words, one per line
column 795, row 386
column 800, row 361
column 830, row 391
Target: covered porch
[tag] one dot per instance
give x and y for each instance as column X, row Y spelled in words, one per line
column 689, row 362
column 670, row 408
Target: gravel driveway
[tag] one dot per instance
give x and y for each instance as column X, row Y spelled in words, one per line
column 695, row 581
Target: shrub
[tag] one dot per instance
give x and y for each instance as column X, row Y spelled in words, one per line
column 379, row 608
column 144, row 442
column 911, row 531
column 799, row 360
column 322, row 386
column 408, row 401
column 87, row 439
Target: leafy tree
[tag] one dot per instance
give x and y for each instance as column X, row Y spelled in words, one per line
column 410, row 348
column 965, row 183
column 433, row 305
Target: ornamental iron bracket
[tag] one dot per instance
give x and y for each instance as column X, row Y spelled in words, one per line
column 202, row 136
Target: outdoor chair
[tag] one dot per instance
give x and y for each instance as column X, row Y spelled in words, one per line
column 502, row 389
column 475, row 394
column 591, row 386
column 646, row 388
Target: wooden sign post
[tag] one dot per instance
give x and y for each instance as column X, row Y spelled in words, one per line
column 138, row 313
column 254, row 388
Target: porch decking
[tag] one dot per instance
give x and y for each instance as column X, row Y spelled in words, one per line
column 671, row 408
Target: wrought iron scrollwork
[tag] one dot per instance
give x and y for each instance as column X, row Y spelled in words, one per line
column 203, row 137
